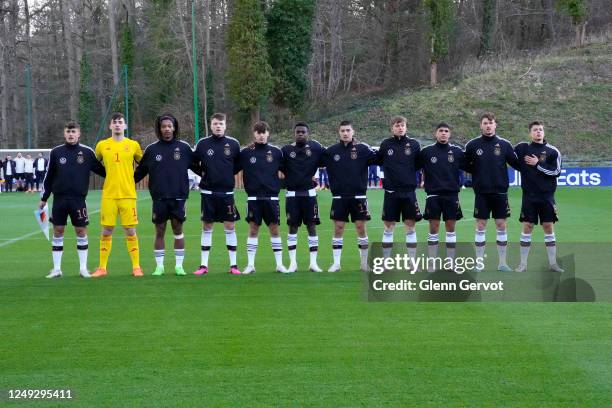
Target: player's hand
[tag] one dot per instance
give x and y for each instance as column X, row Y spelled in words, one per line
column 42, row 204
column 531, row 160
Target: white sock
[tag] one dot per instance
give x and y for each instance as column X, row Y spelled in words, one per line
column 432, row 245
column 411, row 243
column 551, row 248
column 277, row 248
column 159, row 257
column 313, row 246
column 206, row 242
column 387, row 243
column 451, row 244
column 57, row 252
column 231, row 242
column 179, row 255
column 502, row 244
column 82, row 248
column 525, row 246
column 252, row 244
column 292, row 247
column 363, row 244
column 479, row 241
column 337, row 249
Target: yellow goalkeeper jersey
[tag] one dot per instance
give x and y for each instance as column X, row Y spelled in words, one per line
column 118, row 159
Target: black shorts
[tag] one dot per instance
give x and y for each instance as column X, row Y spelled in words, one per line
column 266, row 210
column 543, row 208
column 218, row 208
column 357, row 208
column 75, row 207
column 170, row 208
column 402, row 205
column 302, row 210
column 447, row 206
column 20, row 176
column 493, row 204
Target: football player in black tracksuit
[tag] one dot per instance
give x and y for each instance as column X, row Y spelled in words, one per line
column 68, row 179
column 166, row 162
column 486, row 158
column 441, row 163
column 218, row 156
column 301, row 160
column 261, row 162
column 347, row 165
column 397, row 156
column 540, row 165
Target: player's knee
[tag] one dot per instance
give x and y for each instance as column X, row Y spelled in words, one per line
column 548, row 227
column 527, row 227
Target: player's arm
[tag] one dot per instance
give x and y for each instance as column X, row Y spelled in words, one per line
column 511, row 157
column 372, row 156
column 238, row 162
column 194, row 162
column 552, row 165
column 137, row 152
column 143, row 167
column 98, row 152
column 48, row 181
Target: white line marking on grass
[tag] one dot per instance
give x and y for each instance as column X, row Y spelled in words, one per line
column 30, row 234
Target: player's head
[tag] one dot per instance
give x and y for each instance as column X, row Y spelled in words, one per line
column 9, row 157
column 487, row 124
column 398, row 125
column 19, row 155
column 300, row 132
column 536, row 131
column 117, row 123
column 28, row 156
column 72, row 132
column 443, row 133
column 166, row 127
column 40, row 155
column 218, row 124
column 261, row 132
column 346, row 131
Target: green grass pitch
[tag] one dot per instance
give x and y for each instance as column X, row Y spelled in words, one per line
column 302, row 340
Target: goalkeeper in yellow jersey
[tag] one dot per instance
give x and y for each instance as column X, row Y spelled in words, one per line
column 118, row 154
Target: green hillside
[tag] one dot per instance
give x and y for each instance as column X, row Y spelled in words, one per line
column 570, row 90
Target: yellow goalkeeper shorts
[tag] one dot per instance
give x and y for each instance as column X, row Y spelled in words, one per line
column 124, row 207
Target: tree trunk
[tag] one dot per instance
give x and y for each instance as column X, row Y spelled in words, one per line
column 548, row 21
column 578, row 36
column 31, row 63
column 433, row 74
column 583, row 34
column 4, row 94
column 179, row 16
column 487, row 36
column 335, row 58
column 112, row 31
column 254, row 117
column 69, row 48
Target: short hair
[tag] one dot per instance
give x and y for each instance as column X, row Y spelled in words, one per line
column 219, row 116
column 71, row 124
column 117, row 115
column 487, row 115
column 158, row 123
column 398, row 119
column 535, row 123
column 443, row 125
column 304, row 124
column 261, row 127
column 346, row 123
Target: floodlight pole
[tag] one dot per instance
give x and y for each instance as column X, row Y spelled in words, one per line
column 194, row 61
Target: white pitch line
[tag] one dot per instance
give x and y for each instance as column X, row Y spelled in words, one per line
column 30, row 234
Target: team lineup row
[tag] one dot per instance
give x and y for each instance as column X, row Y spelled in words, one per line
column 218, row 158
